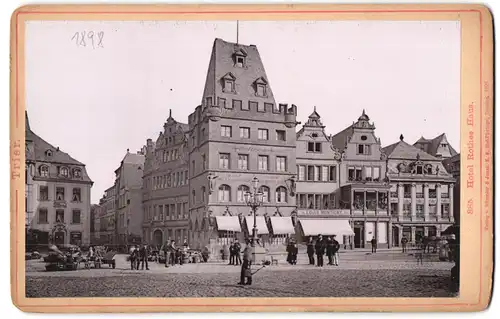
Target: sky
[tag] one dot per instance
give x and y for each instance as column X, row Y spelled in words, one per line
column 98, row 100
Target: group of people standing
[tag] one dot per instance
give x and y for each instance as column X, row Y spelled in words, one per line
column 173, row 254
column 139, row 255
column 330, row 246
column 234, row 253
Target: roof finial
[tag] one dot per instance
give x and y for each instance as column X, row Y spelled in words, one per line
column 170, row 113
column 128, row 150
column 401, row 137
column 364, row 112
column 315, row 108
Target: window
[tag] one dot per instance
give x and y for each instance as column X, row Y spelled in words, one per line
column 333, row 173
column 429, row 170
column 224, row 193
column 43, row 216
column 265, row 193
column 193, row 197
column 280, row 135
column 77, row 173
column 363, row 149
column 281, row 194
column 244, row 132
column 324, row 173
column 263, row 134
column 420, row 169
column 364, row 137
column 225, row 131
column 181, row 178
column 222, row 102
column 76, row 218
column 317, row 171
column 420, row 210
column 242, row 190
column 224, row 160
column 44, row 171
column 167, row 211
column 203, row 162
column 185, row 177
column 64, row 172
column 209, row 101
column 263, row 162
column 261, row 90
column 240, row 61
column 228, row 85
column 203, row 134
column 267, row 106
column 368, row 173
column 280, row 163
column 314, row 147
column 59, row 216
column 243, row 162
column 59, row 193
column 77, row 195
column 376, row 174
column 302, row 172
column 203, row 193
column 236, row 104
column 310, row 173
column 44, row 193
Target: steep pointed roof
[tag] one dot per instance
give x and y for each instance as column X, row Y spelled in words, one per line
column 135, row 159
column 403, row 150
column 223, row 63
column 339, row 140
column 431, row 145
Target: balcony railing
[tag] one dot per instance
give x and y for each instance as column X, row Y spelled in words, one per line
column 445, row 195
column 407, row 195
column 394, row 194
column 432, row 195
column 420, row 195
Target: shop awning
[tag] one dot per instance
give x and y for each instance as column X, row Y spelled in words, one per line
column 261, row 225
column 282, row 225
column 228, row 223
column 323, row 226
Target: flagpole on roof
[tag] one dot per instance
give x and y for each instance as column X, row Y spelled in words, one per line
column 237, row 31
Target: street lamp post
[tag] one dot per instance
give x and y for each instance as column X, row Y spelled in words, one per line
column 254, row 199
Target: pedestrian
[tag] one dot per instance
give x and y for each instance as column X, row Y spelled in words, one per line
column 295, row 253
column 329, row 250
column 143, row 254
column 336, row 248
column 246, row 266
column 205, row 253
column 374, row 245
column 320, row 250
column 172, row 252
column 310, row 251
column 404, row 242
column 231, row 254
column 166, row 252
column 133, row 257
column 237, row 252
column 289, row 250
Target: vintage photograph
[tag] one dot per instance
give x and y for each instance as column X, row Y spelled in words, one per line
column 242, row 158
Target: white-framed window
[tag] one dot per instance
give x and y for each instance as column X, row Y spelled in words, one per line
column 243, row 161
column 363, row 149
column 324, row 173
column 263, row 134
column 302, row 173
column 280, row 163
column 368, row 173
column 317, row 172
column 77, row 173
column 64, row 171
column 242, row 190
column 224, row 160
column 225, row 131
column 265, row 193
column 281, row 194
column 224, row 193
column 244, row 132
column 376, row 173
column 44, row 171
column 263, row 162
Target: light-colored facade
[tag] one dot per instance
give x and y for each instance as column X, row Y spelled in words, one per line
column 129, row 213
column 165, row 185
column 363, row 188
column 57, row 194
column 236, row 134
column 104, row 220
column 452, row 165
column 422, row 193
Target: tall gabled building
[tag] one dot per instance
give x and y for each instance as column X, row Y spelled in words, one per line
column 237, row 133
column 57, row 194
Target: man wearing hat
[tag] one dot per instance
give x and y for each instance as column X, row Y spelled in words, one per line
column 246, row 271
column 320, row 250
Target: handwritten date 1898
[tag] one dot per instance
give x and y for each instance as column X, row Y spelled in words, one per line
column 88, row 38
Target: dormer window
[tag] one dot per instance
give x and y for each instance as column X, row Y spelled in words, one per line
column 228, row 83
column 261, row 87
column 420, row 169
column 48, row 153
column 64, row 172
column 44, row 171
column 77, row 173
column 240, row 58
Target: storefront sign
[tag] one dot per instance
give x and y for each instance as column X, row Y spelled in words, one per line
column 327, row 212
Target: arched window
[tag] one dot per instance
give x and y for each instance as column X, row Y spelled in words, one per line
column 281, row 194
column 265, row 193
column 242, row 190
column 224, row 193
column 44, row 171
column 77, row 173
column 64, row 171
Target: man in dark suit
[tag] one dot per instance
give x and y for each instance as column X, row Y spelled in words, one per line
column 320, row 250
column 310, row 251
column 246, row 269
column 374, row 245
column 329, row 250
column 237, row 252
column 336, row 248
column 143, row 254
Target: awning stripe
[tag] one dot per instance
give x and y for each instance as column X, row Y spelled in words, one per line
column 323, row 226
column 228, row 223
column 282, row 226
column 261, row 225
